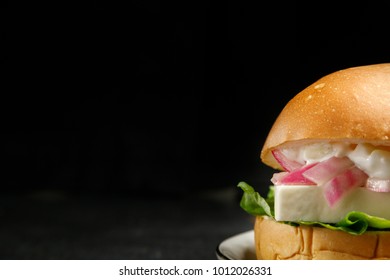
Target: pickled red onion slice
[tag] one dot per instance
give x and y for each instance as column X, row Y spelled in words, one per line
column 337, row 187
column 328, row 169
column 287, row 164
column 293, row 178
column 277, row 177
column 378, row 185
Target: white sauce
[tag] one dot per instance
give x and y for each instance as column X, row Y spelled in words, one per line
column 373, row 161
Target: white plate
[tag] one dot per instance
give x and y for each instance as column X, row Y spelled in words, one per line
column 238, row 247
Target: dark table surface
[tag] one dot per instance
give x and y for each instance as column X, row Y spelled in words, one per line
column 55, row 224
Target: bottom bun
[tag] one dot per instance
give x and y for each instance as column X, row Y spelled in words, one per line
column 279, row 241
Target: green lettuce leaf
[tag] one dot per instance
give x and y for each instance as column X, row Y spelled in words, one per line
column 254, row 204
column 354, row 222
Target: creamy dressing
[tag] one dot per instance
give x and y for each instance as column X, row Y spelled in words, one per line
column 374, row 161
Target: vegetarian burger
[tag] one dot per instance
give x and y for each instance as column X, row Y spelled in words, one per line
column 330, row 198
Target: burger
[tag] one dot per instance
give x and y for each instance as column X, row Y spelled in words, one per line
column 330, row 195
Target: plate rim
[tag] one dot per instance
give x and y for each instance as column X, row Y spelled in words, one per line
column 220, row 254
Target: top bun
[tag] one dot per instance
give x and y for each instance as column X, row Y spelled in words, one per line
column 348, row 105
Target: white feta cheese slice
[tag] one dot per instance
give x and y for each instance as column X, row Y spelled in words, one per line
column 307, row 203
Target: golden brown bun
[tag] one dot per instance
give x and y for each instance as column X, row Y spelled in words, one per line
column 278, row 241
column 351, row 104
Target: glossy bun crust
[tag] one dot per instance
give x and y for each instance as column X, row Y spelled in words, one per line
column 278, row 241
column 348, row 105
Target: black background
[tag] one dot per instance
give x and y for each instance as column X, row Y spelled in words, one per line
column 126, row 127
